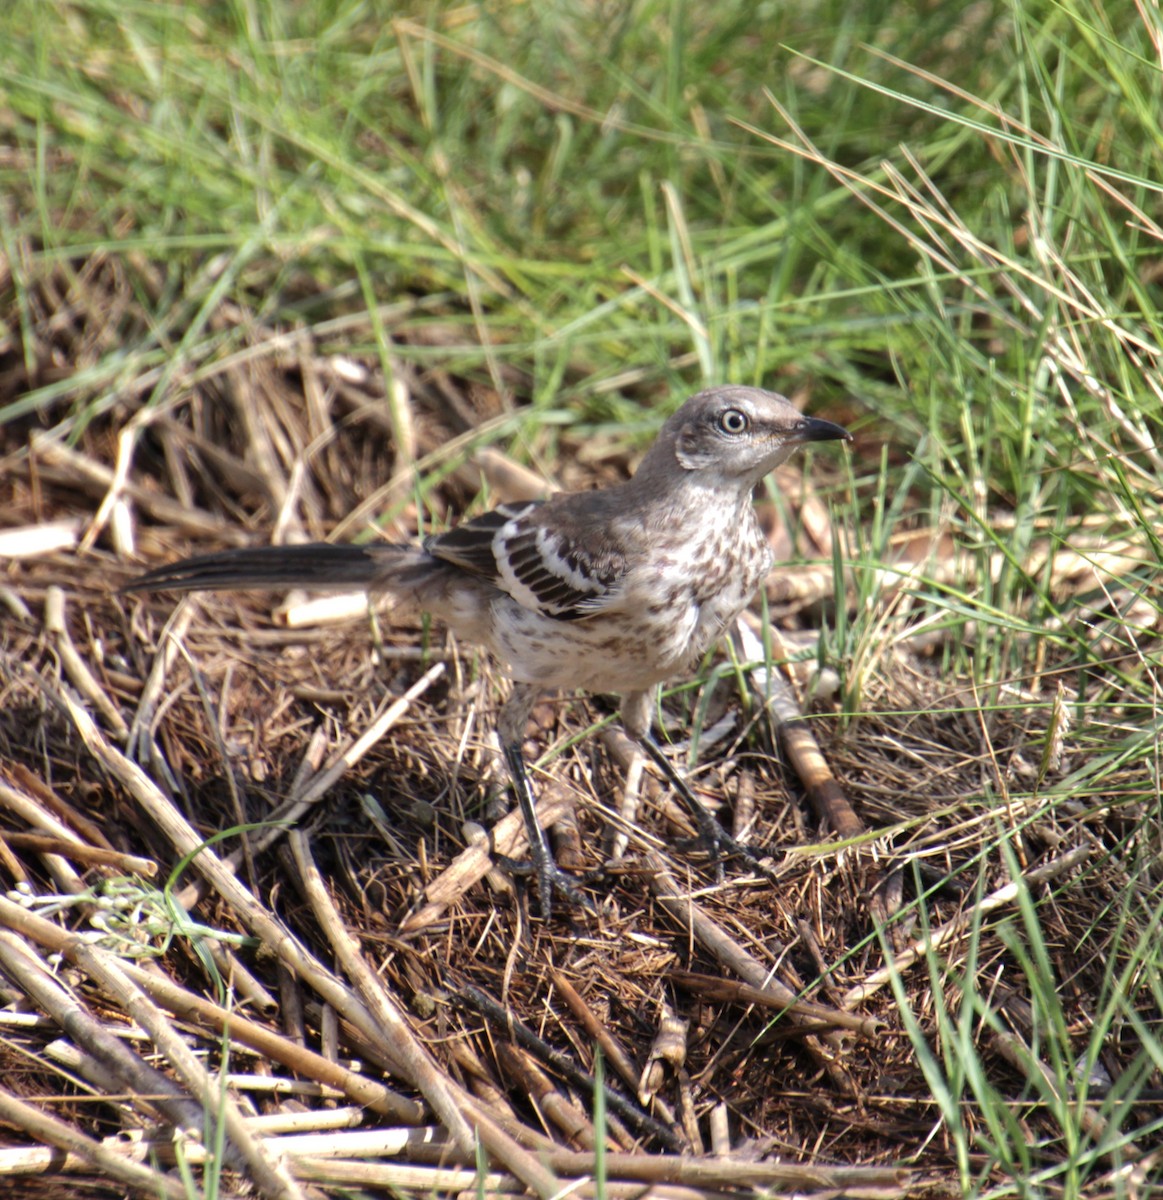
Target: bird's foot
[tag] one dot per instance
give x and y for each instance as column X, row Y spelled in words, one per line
column 719, row 845
column 552, row 880
column 712, row 837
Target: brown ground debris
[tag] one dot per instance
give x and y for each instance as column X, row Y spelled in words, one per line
column 373, row 971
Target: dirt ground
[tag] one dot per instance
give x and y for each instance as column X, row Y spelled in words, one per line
column 219, row 896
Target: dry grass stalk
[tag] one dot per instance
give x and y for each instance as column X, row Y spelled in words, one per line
column 961, row 924
column 81, row 1153
column 414, row 1062
column 218, row 1021
column 249, row 1153
column 32, row 541
column 796, row 739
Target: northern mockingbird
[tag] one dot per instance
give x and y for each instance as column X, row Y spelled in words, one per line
column 612, row 590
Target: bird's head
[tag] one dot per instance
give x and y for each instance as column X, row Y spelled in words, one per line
column 733, row 436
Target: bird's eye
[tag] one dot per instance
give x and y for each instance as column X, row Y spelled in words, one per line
column 734, row 421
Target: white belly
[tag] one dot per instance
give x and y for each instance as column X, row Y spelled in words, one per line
column 665, row 619
column 615, row 652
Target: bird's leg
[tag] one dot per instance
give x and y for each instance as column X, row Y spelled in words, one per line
column 631, row 801
column 637, row 714
column 711, row 832
column 511, row 728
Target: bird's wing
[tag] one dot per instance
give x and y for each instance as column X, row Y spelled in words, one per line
column 470, row 544
column 543, row 563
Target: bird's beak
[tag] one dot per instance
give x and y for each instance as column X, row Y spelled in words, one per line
column 815, row 429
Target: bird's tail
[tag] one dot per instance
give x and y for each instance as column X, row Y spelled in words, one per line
column 314, row 565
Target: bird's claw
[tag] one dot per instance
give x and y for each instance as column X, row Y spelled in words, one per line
column 551, row 880
column 719, row 846
column 717, row 842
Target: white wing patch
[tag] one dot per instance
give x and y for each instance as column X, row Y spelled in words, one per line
column 547, row 573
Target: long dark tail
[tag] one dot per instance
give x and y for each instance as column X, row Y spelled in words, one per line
column 316, row 565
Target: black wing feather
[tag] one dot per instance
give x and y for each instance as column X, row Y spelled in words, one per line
column 534, row 561
column 470, row 544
